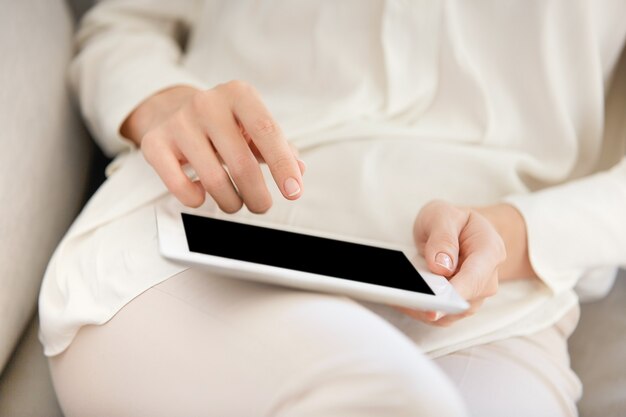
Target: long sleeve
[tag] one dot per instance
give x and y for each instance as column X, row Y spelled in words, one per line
column 128, row 50
column 576, row 227
column 577, row 231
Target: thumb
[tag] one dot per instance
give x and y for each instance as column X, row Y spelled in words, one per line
column 437, row 230
column 442, row 249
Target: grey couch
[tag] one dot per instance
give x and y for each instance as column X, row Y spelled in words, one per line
column 46, row 168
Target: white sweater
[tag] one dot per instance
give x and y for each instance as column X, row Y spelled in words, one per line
column 392, row 103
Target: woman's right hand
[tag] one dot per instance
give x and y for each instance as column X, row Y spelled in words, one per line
column 226, row 125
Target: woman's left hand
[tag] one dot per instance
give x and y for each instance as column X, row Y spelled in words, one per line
column 463, row 245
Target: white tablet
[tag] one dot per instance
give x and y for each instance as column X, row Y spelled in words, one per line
column 303, row 259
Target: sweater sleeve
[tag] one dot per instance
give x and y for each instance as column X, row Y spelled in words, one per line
column 128, row 50
column 576, row 227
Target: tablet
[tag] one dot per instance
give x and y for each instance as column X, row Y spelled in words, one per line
column 303, row 259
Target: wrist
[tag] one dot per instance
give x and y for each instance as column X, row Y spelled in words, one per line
column 511, row 226
column 154, row 109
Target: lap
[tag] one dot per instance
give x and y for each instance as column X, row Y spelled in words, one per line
column 519, row 376
column 209, row 345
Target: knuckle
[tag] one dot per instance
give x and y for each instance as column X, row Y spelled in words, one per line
column 260, row 206
column 265, row 127
column 282, row 163
column 187, row 196
column 151, row 143
column 457, row 216
column 444, row 242
column 178, row 186
column 216, row 182
column 179, row 122
column 440, row 212
column 194, row 200
column 242, row 168
column 148, row 142
column 203, row 102
column 444, row 239
column 231, row 207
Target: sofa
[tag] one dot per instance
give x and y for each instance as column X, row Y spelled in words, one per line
column 49, row 167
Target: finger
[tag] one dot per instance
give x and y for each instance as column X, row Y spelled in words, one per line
column 163, row 159
column 440, row 226
column 259, row 157
column 447, row 320
column 302, row 166
column 295, row 150
column 477, row 277
column 478, row 274
column 296, row 153
column 269, row 139
column 201, row 156
column 241, row 162
column 420, row 315
column 425, row 316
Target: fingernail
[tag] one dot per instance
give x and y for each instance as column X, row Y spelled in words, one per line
column 443, row 259
column 291, row 187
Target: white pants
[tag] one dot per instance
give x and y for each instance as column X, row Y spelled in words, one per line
column 198, row 345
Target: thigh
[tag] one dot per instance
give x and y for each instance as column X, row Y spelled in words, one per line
column 205, row 346
column 519, row 376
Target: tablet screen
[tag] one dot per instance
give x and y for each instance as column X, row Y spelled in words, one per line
column 317, row 255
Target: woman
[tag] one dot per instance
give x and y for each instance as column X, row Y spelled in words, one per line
column 472, row 131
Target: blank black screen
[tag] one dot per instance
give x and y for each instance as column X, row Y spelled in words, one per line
column 330, row 257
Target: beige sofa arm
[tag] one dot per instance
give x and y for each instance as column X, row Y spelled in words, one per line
column 45, row 154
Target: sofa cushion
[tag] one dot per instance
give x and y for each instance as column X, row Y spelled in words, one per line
column 598, row 351
column 26, row 381
column 44, row 158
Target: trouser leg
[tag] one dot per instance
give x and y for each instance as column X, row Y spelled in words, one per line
column 519, row 376
column 201, row 345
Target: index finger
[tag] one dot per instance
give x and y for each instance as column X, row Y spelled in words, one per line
column 270, row 141
column 477, row 277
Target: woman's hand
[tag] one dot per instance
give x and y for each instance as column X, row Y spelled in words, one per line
column 470, row 247
column 226, row 125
